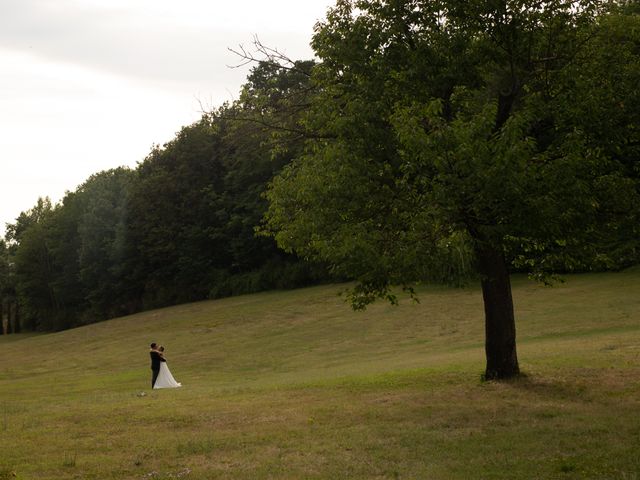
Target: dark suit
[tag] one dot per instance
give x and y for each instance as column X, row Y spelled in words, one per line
column 156, row 359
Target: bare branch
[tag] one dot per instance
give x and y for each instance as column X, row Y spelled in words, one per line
column 265, row 54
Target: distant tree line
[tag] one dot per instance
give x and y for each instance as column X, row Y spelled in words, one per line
column 178, row 228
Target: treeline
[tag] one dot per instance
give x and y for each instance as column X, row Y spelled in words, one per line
column 178, row 228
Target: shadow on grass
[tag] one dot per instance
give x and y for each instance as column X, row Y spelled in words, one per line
column 545, row 386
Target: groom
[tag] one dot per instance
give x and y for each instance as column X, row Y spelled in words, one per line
column 156, row 359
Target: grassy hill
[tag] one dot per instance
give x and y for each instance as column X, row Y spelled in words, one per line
column 295, row 385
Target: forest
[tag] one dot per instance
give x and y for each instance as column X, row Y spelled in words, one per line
column 426, row 142
column 178, row 228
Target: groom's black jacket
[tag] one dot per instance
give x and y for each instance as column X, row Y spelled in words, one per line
column 155, row 360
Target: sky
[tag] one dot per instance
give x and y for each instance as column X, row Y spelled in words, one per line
column 89, row 85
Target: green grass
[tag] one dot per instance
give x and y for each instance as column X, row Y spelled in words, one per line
column 295, row 385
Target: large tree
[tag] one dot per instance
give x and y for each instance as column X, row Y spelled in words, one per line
column 68, row 261
column 34, row 268
column 460, row 136
column 104, row 252
column 173, row 222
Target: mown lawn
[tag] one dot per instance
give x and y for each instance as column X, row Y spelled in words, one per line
column 295, row 385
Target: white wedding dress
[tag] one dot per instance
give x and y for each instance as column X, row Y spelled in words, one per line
column 165, row 379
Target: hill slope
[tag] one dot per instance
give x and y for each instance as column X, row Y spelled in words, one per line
column 295, row 385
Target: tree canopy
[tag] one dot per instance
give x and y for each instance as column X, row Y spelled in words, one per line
column 467, row 134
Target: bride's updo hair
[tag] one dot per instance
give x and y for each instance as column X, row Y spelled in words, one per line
column 161, row 348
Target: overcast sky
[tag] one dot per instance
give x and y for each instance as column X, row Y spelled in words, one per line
column 88, row 85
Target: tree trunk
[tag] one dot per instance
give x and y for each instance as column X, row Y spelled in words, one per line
column 500, row 327
column 4, row 326
column 15, row 315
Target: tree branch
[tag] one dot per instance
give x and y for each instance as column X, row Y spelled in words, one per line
column 265, row 54
column 272, row 126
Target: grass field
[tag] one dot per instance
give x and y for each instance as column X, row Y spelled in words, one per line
column 294, row 385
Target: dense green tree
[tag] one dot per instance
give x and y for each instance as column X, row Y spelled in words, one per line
column 46, row 266
column 15, row 231
column 195, row 204
column 103, row 250
column 263, row 131
column 34, row 273
column 68, row 259
column 176, row 217
column 456, row 132
column 196, row 201
column 602, row 103
column 62, row 243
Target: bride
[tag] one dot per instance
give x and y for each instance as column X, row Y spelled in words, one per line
column 165, row 379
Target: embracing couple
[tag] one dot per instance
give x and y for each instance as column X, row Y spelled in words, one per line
column 161, row 377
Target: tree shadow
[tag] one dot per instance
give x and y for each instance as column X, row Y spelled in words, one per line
column 547, row 386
